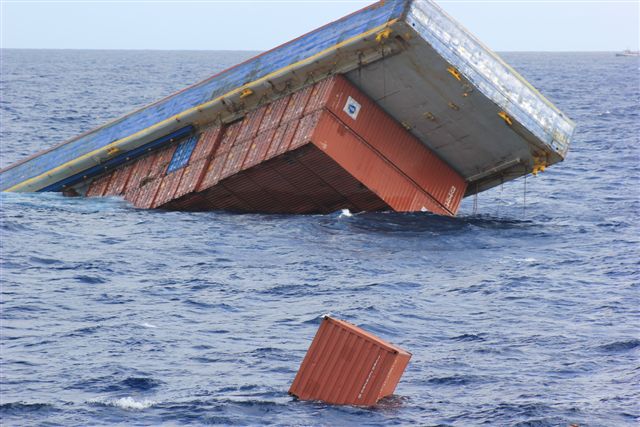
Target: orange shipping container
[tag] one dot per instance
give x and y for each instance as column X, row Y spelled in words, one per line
column 346, row 365
column 323, row 148
column 385, row 135
column 99, row 185
column 119, row 181
column 168, row 186
column 207, row 143
column 191, row 177
column 145, row 195
column 273, row 114
column 139, row 174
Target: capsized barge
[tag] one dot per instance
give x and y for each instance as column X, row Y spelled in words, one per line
column 394, row 107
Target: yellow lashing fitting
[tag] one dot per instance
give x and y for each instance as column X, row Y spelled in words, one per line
column 539, row 163
column 504, row 116
column 455, row 73
column 245, row 92
column 383, row 35
column 113, row 150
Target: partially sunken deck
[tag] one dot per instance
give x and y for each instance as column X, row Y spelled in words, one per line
column 458, row 99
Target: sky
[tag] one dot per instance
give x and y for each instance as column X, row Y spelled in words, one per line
column 503, row 25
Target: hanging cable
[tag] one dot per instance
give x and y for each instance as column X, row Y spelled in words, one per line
column 524, row 198
column 475, row 201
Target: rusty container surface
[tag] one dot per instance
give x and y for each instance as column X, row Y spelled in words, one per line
column 191, row 177
column 323, row 148
column 145, row 195
column 168, row 187
column 207, row 143
column 346, row 365
column 98, row 186
column 374, row 171
column 385, row 135
column 119, row 180
column 140, row 173
column 273, row 114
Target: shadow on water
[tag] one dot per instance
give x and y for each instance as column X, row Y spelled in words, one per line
column 397, row 222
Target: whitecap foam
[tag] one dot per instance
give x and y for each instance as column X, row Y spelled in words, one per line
column 128, row 403
column 148, row 325
column 345, row 213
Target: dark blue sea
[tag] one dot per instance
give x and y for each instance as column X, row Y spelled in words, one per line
column 522, row 312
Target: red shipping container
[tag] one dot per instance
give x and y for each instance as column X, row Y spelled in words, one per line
column 168, row 186
column 333, row 148
column 235, row 159
column 250, row 125
column 297, row 104
column 258, row 149
column 119, row 180
column 282, row 139
column 273, row 114
column 213, row 172
column 305, row 130
column 99, row 185
column 382, row 177
column 161, row 161
column 191, row 177
column 207, row 143
column 361, row 114
column 346, row 365
column 145, row 195
column 229, row 137
column 140, row 172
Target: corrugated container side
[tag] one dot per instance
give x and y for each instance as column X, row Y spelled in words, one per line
column 168, row 186
column 207, row 144
column 367, row 166
column 395, row 143
column 144, row 197
column 234, row 159
column 192, row 176
column 395, row 373
column 228, row 139
column 245, row 188
column 273, row 114
column 308, row 184
column 295, row 108
column 360, row 198
column 161, row 159
column 99, row 185
column 258, row 149
column 141, row 171
column 220, row 198
column 287, row 195
column 213, row 172
column 119, row 181
column 251, row 124
column 346, row 365
column 319, row 95
column 282, row 139
column 305, row 129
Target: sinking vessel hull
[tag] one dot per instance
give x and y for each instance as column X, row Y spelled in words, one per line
column 453, row 95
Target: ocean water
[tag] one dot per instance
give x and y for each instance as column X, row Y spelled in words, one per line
column 520, row 312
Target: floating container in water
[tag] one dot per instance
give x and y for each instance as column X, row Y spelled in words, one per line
column 435, row 117
column 346, row 365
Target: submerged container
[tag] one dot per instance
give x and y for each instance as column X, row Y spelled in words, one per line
column 346, row 365
column 309, row 153
column 419, row 96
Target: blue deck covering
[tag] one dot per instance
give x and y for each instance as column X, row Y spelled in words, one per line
column 255, row 68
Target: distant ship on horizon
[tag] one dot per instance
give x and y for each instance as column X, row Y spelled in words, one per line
column 628, row 52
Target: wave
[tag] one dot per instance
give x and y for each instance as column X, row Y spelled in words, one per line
column 127, row 403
